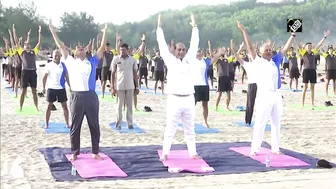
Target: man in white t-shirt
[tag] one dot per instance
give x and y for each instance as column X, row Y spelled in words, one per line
column 54, row 80
column 202, row 90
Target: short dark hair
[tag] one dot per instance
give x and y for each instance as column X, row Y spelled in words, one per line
column 157, row 51
column 124, row 45
column 107, row 44
column 309, row 43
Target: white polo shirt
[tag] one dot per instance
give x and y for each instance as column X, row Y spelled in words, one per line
column 82, row 73
column 180, row 76
column 56, row 75
column 251, row 71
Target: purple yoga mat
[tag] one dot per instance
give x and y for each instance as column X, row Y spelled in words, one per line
column 179, row 160
column 87, row 167
column 281, row 160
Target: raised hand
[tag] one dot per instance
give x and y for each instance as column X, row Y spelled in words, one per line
column 40, row 29
column 13, row 27
column 240, row 26
column 105, row 28
column 209, row 43
column 9, row 31
column 52, row 28
column 143, row 38
column 327, row 33
column 193, row 21
column 232, row 45
column 29, row 32
column 159, row 21
column 242, row 45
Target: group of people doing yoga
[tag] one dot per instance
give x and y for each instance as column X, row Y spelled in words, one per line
column 187, row 80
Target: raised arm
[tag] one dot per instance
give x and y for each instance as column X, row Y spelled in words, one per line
column 194, row 42
column 88, row 47
column 92, row 45
column 247, row 40
column 288, row 45
column 235, row 53
column 58, row 42
column 164, row 50
column 326, row 34
column 143, row 45
column 118, row 43
column 13, row 46
column 209, row 47
column 16, row 40
column 100, row 51
column 38, row 45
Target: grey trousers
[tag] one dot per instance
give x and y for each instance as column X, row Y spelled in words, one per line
column 251, row 96
column 125, row 95
column 84, row 103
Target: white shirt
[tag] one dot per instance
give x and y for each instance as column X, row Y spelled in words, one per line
column 56, row 75
column 267, row 74
column 180, row 76
column 251, row 71
column 82, row 73
column 199, row 71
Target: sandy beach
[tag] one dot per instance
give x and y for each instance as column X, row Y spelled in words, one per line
column 307, row 131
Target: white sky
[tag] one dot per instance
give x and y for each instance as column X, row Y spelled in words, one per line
column 107, row 11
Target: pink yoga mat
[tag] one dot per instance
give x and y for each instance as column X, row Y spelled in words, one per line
column 87, row 167
column 179, row 160
column 281, row 160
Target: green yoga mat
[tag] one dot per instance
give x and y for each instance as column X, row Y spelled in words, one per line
column 28, row 110
column 226, row 112
column 309, row 107
column 107, row 98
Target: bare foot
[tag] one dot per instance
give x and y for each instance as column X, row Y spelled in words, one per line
column 97, row 156
column 46, row 126
column 253, row 154
column 136, row 109
column 302, row 107
column 216, row 109
column 207, row 125
column 278, row 153
column 73, row 157
column 196, row 157
column 164, row 158
column 20, row 109
column 228, row 109
column 67, row 126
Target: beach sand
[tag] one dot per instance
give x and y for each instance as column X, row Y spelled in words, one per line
column 307, row 131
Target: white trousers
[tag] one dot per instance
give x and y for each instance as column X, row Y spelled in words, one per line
column 268, row 107
column 180, row 108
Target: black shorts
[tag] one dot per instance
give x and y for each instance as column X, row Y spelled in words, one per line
column 28, row 78
column 98, row 73
column 58, row 95
column 224, row 84
column 202, row 93
column 210, row 74
column 285, row 66
column 232, row 76
column 105, row 74
column 18, row 73
column 159, row 75
column 143, row 72
column 309, row 76
column 152, row 69
column 331, row 74
column 294, row 73
column 11, row 71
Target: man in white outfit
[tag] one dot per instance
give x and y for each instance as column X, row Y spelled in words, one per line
column 180, row 90
column 269, row 98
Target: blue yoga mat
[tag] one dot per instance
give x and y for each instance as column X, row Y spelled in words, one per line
column 159, row 93
column 10, row 90
column 99, row 92
column 200, row 129
column 294, row 90
column 124, row 128
column 143, row 88
column 242, row 124
column 56, row 128
column 142, row 162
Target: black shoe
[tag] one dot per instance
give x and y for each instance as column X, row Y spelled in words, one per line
column 244, row 91
column 130, row 127
column 108, row 85
column 40, row 94
column 147, row 109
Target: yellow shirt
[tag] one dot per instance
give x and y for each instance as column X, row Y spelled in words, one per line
column 303, row 51
column 20, row 50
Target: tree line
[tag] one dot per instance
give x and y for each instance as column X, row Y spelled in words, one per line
column 217, row 23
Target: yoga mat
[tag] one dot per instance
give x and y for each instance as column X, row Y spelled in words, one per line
column 294, row 90
column 10, row 90
column 142, row 162
column 180, row 161
column 124, row 128
column 87, row 167
column 281, row 160
column 56, row 128
column 226, row 112
column 107, row 98
column 28, row 110
column 99, row 92
column 309, row 107
column 200, row 129
column 243, row 124
column 143, row 88
column 158, row 92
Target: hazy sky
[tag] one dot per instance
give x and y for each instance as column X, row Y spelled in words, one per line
column 106, row 11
